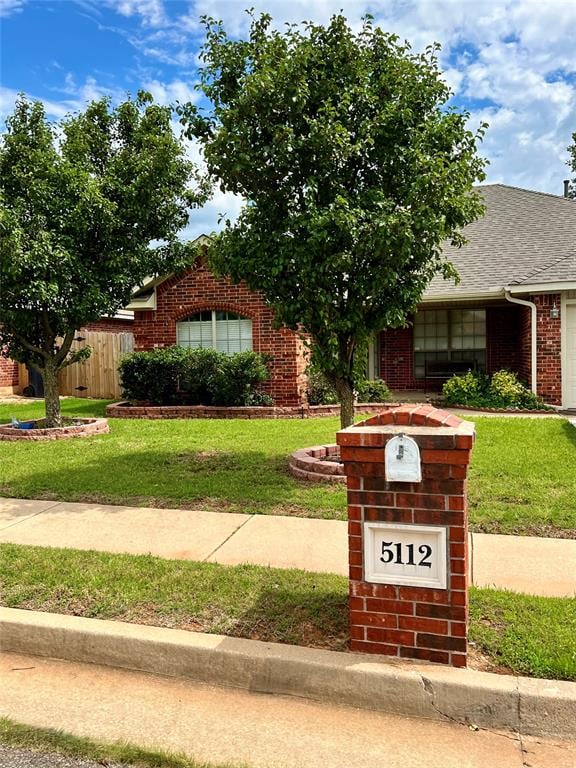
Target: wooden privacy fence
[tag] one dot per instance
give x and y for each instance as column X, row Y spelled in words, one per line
column 98, row 375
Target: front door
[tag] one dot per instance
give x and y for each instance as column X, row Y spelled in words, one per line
column 570, row 357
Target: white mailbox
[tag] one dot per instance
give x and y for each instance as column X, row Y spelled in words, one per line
column 402, row 459
column 409, row 555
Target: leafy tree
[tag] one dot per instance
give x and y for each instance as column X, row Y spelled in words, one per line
column 353, row 169
column 572, row 164
column 80, row 205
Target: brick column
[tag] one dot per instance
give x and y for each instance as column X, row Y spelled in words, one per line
column 397, row 620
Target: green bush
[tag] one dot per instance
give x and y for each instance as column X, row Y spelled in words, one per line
column 178, row 375
column 373, row 391
column 158, row 376
column 319, row 391
column 237, row 380
column 503, row 390
column 465, row 389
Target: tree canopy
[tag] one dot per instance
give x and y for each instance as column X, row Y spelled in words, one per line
column 88, row 208
column 354, row 171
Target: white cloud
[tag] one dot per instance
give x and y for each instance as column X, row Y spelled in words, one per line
column 8, row 7
column 152, row 12
column 169, row 93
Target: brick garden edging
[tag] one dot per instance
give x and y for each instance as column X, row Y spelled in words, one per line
column 313, row 464
column 86, row 428
column 124, row 410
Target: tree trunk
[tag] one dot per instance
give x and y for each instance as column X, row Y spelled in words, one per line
column 346, row 397
column 51, row 394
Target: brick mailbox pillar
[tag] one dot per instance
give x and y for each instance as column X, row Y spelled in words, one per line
column 408, row 534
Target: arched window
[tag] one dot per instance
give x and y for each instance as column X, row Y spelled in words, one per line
column 224, row 331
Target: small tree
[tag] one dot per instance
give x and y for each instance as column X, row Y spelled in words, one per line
column 80, row 204
column 354, row 171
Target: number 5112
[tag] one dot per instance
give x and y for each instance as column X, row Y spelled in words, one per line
column 396, row 553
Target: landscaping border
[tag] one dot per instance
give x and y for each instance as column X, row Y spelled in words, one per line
column 123, row 410
column 86, row 427
column 317, row 464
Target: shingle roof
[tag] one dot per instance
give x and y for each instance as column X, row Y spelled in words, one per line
column 525, row 238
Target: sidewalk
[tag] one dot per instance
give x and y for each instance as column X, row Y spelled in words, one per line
column 539, row 566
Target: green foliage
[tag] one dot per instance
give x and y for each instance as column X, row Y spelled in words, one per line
column 237, row 380
column 465, row 389
column 81, row 203
column 373, row 391
column 355, row 171
column 177, row 375
column 319, row 391
column 503, row 390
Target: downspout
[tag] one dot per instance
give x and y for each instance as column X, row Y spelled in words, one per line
column 533, row 340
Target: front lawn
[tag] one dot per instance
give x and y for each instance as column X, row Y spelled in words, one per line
column 521, row 477
column 526, row 635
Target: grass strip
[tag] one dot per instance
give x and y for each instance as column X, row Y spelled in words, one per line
column 526, row 635
column 521, row 476
column 48, row 740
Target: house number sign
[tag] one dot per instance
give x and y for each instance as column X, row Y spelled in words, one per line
column 409, row 555
column 402, row 458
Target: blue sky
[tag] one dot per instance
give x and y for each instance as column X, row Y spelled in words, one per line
column 512, row 64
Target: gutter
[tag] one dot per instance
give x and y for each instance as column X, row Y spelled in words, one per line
column 533, row 340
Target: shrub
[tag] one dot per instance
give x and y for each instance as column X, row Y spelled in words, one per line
column 177, row 375
column 503, row 390
column 373, row 391
column 319, row 391
column 465, row 389
column 237, row 380
column 157, row 376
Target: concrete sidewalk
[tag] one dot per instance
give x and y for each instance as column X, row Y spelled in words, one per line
column 540, row 566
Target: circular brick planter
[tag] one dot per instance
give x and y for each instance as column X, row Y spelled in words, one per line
column 321, row 464
column 80, row 428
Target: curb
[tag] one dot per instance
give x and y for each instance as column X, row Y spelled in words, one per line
column 522, row 705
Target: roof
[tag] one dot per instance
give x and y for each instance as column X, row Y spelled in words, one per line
column 525, row 238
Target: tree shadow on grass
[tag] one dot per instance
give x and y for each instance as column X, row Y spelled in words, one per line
column 226, row 480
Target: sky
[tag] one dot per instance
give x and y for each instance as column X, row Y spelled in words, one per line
column 511, row 64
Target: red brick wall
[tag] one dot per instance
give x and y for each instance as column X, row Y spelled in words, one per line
column 549, row 357
column 525, row 345
column 111, row 325
column 397, row 359
column 199, row 290
column 8, row 374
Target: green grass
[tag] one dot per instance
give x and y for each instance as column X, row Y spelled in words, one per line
column 47, row 740
column 521, row 476
column 526, row 635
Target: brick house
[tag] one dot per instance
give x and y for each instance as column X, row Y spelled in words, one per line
column 514, row 307
column 198, row 309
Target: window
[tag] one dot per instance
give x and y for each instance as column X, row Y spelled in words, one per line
column 452, row 335
column 223, row 331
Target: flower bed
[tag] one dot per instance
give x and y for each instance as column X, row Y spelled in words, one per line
column 125, row 410
column 35, row 432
